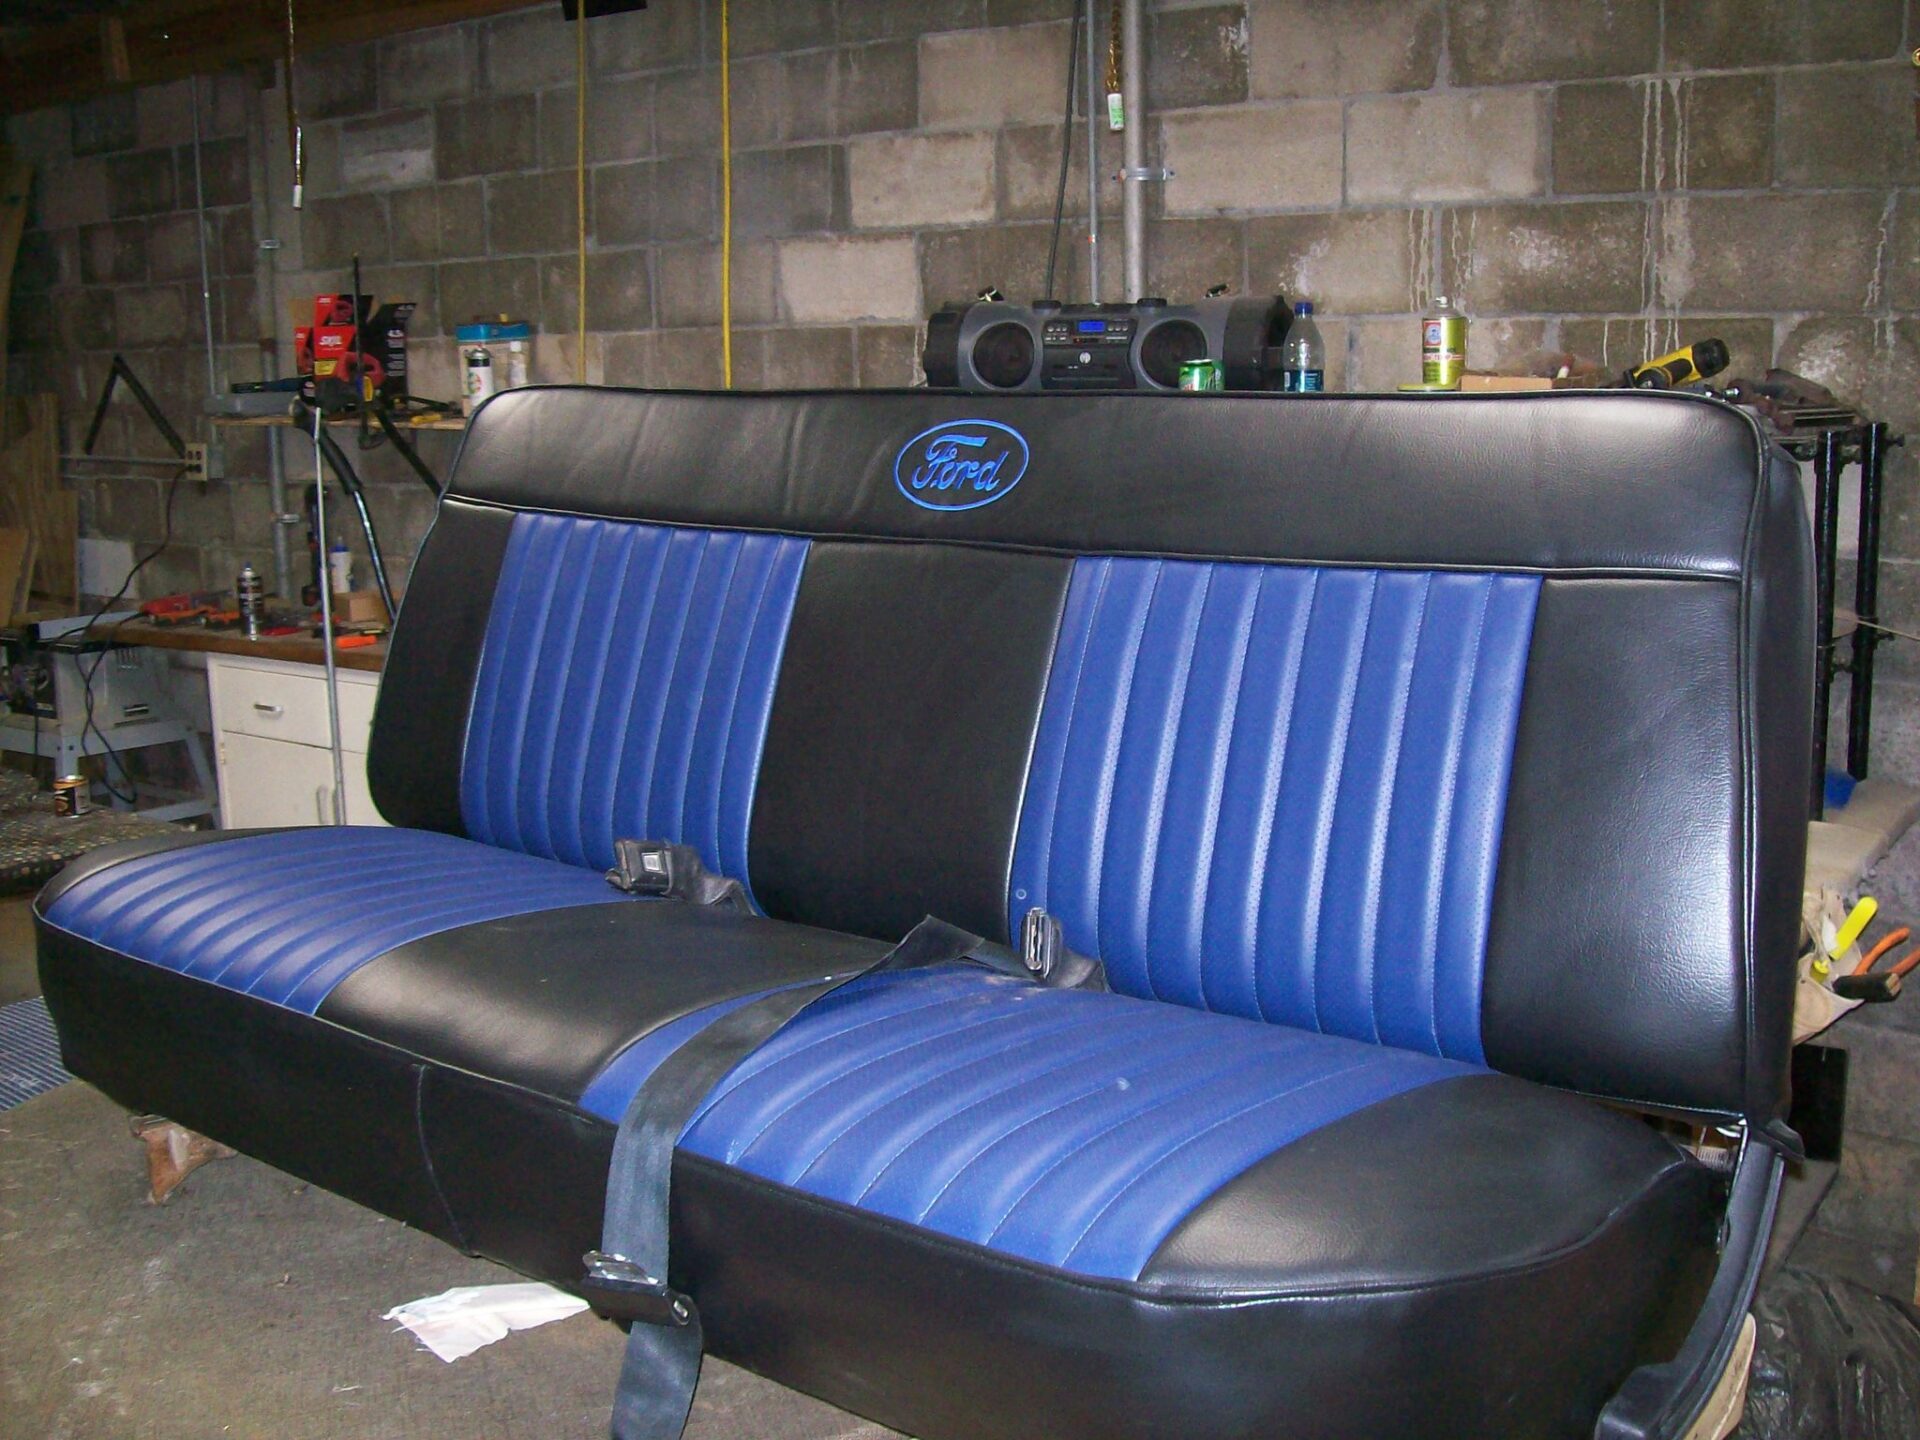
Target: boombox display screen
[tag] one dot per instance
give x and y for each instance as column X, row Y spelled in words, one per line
column 986, row 345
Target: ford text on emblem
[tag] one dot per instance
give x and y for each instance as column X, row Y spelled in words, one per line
column 960, row 465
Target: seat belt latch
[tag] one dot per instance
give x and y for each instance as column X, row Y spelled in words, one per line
column 1044, row 952
column 615, row 1286
column 672, row 872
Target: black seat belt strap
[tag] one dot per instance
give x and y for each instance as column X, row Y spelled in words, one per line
column 627, row 1276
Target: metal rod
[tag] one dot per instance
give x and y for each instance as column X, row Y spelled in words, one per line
column 1133, row 199
column 200, row 226
column 1093, row 160
column 1826, row 504
column 1866, row 601
column 277, row 503
column 170, row 464
column 326, row 627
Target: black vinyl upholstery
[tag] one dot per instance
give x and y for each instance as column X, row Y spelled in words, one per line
column 1420, row 768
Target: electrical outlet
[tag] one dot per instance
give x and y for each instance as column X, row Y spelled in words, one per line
column 196, row 462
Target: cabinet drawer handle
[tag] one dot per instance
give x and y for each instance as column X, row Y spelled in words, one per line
column 266, row 709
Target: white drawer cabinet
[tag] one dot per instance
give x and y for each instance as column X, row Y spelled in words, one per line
column 270, row 742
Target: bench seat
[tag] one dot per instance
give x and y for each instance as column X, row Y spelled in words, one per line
column 1238, row 1182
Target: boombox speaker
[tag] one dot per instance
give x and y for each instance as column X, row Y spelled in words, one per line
column 993, row 345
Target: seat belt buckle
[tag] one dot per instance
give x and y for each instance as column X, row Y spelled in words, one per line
column 1042, row 943
column 642, row 868
column 615, row 1286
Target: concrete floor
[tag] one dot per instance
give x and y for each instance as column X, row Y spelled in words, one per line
column 250, row 1306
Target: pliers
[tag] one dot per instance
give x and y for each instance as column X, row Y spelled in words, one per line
column 1866, row 983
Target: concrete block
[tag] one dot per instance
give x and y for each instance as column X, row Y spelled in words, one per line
column 619, row 290
column 626, row 359
column 1730, row 34
column 1623, row 341
column 1028, row 166
column 1873, row 365
column 439, row 222
column 1278, row 157
column 225, row 173
column 397, row 148
column 74, row 195
column 1355, row 262
column 687, row 111
column 1571, row 258
column 783, row 25
column 619, row 120
column 1188, row 257
column 234, row 248
column 343, row 80
column 533, row 213
column 892, row 19
column 1710, row 132
column 812, row 359
column 560, row 294
column 674, row 199
column 553, row 363
column 686, row 360
column 322, row 142
column 657, row 38
column 1025, row 12
column 1384, row 353
column 105, row 123
column 1342, row 47
column 487, row 289
column 849, row 278
column 887, row 357
column 687, row 290
column 140, row 182
column 1505, row 42
column 30, row 323
column 1794, row 252
column 529, row 50
column 484, row 137
column 1459, row 145
column 987, row 78
column 790, row 191
column 778, row 98
column 424, row 67
column 877, row 87
column 224, row 105
column 906, row 180
column 418, row 283
column 1851, row 125
column 1197, row 57
column 958, row 264
column 163, row 114
column 151, row 315
column 172, row 245
column 1901, row 274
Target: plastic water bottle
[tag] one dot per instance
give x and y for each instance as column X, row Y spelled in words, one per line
column 1304, row 357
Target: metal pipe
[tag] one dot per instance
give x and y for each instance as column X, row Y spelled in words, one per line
column 1133, row 199
column 1866, row 600
column 277, row 503
column 1093, row 161
column 1826, row 503
column 170, row 462
column 326, row 628
column 200, row 226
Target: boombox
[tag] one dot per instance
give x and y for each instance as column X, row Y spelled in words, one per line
column 992, row 345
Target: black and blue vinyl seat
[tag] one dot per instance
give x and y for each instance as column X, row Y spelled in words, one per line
column 1423, row 772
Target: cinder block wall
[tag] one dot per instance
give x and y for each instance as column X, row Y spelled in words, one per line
column 1612, row 177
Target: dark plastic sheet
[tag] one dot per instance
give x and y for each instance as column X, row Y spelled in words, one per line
column 1832, row 1359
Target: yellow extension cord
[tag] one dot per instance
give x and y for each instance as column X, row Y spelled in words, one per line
column 726, row 202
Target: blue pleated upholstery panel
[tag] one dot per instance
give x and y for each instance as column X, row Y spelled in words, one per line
column 624, row 688
column 286, row 916
column 1277, row 791
column 1065, row 1127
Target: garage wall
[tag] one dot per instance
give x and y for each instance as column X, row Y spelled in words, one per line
column 1612, row 178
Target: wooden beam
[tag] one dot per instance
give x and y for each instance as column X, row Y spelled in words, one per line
column 171, row 39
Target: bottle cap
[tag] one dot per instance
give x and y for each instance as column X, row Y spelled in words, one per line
column 1440, row 302
column 1303, row 307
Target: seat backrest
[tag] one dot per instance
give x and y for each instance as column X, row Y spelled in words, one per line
column 1470, row 726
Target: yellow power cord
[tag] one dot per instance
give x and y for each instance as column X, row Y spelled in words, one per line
column 580, row 185
column 726, row 201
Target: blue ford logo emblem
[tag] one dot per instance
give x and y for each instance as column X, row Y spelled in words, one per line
column 961, row 465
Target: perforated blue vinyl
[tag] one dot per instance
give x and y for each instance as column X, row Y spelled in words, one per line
column 1277, row 791
column 624, row 688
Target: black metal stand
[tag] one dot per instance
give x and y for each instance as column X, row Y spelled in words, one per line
column 1831, row 452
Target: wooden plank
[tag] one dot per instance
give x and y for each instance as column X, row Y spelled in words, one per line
column 302, row 649
column 171, row 39
column 15, row 542
column 16, row 180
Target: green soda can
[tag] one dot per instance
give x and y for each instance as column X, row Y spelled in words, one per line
column 1201, row 376
column 1443, row 346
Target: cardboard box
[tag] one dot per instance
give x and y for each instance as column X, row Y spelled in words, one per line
column 327, row 348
